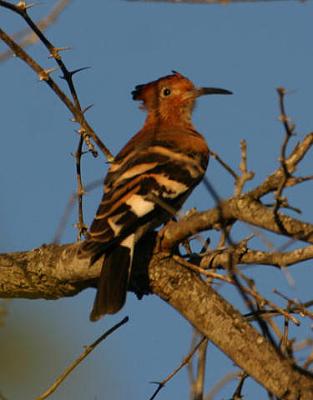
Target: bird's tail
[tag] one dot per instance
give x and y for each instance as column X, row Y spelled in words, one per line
column 114, row 279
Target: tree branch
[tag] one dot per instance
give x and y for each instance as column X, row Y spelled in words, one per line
column 54, row 271
column 247, row 256
column 216, row 319
column 49, row 272
column 243, row 208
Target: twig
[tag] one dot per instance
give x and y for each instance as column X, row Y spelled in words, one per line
column 84, row 354
column 75, row 107
column 231, row 264
column 295, row 309
column 197, row 387
column 227, row 167
column 185, row 361
column 27, row 37
column 308, row 361
column 273, row 181
column 81, row 227
column 22, row 10
column 245, row 174
column 237, row 393
column 245, row 256
column 295, row 306
column 289, row 131
column 219, row 385
column 43, row 75
column 68, row 208
column 285, row 343
column 247, row 290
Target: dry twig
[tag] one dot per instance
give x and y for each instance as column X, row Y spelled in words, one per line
column 27, row 38
column 74, row 106
column 86, row 352
column 185, row 362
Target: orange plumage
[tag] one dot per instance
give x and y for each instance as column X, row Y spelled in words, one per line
column 165, row 160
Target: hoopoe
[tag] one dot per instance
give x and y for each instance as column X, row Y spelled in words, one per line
column 164, row 161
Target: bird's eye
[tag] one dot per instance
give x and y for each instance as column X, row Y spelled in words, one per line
column 166, row 92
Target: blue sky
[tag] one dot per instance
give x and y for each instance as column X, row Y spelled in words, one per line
column 250, row 49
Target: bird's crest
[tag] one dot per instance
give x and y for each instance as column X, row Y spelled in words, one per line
column 140, row 90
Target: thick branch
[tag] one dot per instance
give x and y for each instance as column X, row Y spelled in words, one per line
column 216, row 319
column 49, row 272
column 243, row 208
column 54, row 271
column 253, row 257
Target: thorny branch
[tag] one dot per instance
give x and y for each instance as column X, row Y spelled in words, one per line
column 186, row 283
column 289, row 131
column 85, row 131
column 26, row 37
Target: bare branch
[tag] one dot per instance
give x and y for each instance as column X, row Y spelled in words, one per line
column 27, row 37
column 85, row 353
column 44, row 76
column 219, row 385
column 204, row 308
column 289, row 131
column 224, row 164
column 197, row 386
column 245, row 174
column 81, row 227
column 185, row 362
column 68, row 208
column 273, row 181
column 242, row 208
column 245, row 256
column 55, row 271
column 237, row 394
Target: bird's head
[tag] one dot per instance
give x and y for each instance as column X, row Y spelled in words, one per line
column 171, row 98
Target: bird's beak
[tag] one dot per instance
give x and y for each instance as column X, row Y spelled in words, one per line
column 210, row 90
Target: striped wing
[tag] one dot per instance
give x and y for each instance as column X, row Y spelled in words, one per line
column 138, row 177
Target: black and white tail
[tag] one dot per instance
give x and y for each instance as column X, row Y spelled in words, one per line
column 114, row 279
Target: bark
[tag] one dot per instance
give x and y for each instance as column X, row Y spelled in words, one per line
column 216, row 319
column 54, row 271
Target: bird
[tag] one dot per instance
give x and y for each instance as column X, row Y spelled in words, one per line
column 150, row 177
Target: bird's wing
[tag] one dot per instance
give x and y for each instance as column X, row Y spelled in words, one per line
column 144, row 188
column 134, row 182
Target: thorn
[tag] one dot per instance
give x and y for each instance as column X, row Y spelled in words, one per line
column 281, row 90
column 75, row 71
column 156, row 383
column 44, row 75
column 94, row 153
column 55, row 53
column 79, row 70
column 81, row 131
column 110, row 160
column 73, row 119
column 87, row 108
column 23, row 6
